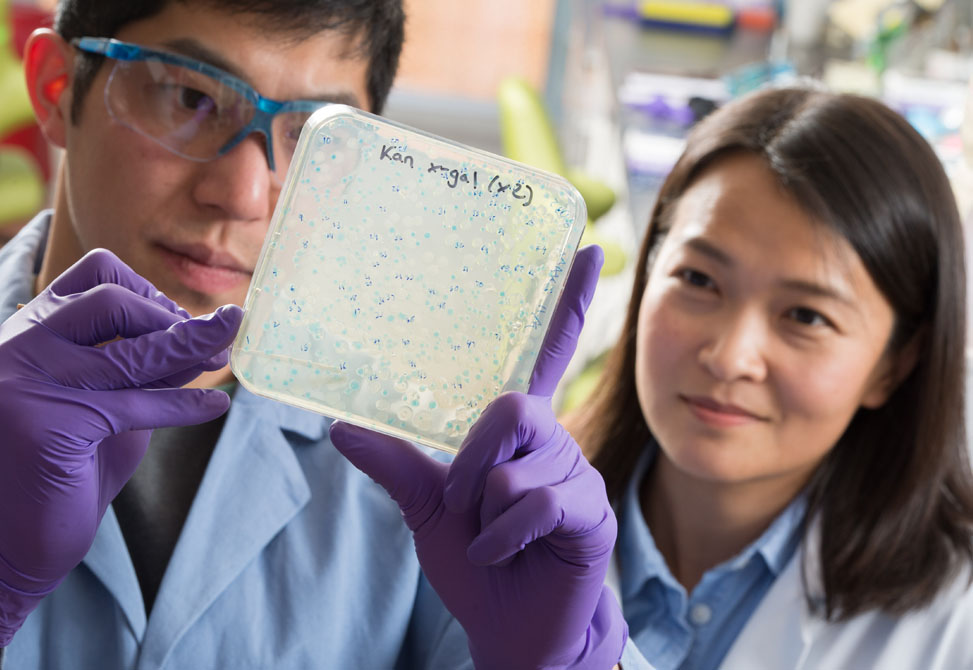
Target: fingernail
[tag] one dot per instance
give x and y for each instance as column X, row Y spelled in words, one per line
column 215, row 398
column 230, row 310
column 338, row 429
column 226, row 315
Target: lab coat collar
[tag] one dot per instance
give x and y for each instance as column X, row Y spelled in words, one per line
column 254, row 485
column 784, row 616
column 109, row 560
column 308, row 425
column 775, row 546
column 20, row 261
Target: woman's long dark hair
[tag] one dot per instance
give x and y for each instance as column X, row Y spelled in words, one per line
column 894, row 497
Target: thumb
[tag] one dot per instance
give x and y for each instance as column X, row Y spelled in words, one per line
column 412, row 479
column 562, row 335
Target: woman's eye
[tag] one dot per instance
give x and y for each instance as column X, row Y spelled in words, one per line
column 695, row 278
column 808, row 317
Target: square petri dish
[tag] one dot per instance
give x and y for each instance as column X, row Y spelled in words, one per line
column 406, row 280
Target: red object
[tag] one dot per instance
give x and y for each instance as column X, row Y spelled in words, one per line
column 31, row 139
column 25, row 19
column 757, row 18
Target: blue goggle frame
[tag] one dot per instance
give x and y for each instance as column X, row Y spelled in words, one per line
column 265, row 109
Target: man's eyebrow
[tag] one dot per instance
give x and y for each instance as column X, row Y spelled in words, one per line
column 706, row 248
column 194, row 49
column 190, row 47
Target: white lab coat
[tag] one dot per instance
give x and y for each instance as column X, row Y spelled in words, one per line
column 782, row 634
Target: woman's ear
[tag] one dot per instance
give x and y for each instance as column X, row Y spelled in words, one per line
column 890, row 372
column 49, row 66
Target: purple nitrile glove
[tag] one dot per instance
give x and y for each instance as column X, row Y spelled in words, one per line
column 76, row 417
column 517, row 534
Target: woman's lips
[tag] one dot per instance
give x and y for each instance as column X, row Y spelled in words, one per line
column 204, row 270
column 717, row 414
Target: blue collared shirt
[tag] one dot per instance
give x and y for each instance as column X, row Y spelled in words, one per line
column 673, row 629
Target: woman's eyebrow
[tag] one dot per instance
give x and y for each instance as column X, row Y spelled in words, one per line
column 818, row 290
column 706, row 248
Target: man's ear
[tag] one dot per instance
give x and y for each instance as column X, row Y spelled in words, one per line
column 890, row 372
column 49, row 67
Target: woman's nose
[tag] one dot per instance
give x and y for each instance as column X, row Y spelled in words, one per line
column 735, row 350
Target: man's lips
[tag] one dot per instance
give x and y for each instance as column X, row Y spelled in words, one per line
column 204, row 269
column 204, row 255
column 719, row 414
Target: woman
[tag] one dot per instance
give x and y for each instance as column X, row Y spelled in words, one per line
column 780, row 426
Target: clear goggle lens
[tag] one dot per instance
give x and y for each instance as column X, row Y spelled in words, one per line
column 194, row 115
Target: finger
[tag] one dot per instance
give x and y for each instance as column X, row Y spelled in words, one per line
column 562, row 335
column 162, row 354
column 216, row 362
column 105, row 413
column 101, row 266
column 105, row 312
column 412, row 479
column 509, row 482
column 512, row 425
column 579, row 529
column 198, row 342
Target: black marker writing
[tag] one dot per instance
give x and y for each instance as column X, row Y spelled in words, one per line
column 453, row 177
column 397, row 156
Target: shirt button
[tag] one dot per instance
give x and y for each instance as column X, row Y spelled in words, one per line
column 700, row 614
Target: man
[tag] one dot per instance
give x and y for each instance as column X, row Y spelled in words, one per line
column 246, row 540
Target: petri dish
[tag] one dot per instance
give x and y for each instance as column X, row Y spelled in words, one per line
column 406, row 280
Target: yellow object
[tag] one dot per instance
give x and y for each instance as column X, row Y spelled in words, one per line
column 22, row 189
column 580, row 388
column 15, row 109
column 598, row 196
column 527, row 135
column 703, row 14
column 615, row 256
column 857, row 18
column 21, row 185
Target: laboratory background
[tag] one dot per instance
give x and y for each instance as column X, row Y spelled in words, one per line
column 604, row 92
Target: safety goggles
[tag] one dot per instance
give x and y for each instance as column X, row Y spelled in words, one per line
column 194, row 109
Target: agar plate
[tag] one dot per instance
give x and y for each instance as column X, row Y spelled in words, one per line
column 405, row 280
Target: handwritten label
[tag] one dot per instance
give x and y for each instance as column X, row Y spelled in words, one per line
column 519, row 189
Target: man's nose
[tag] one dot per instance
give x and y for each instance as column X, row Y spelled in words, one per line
column 239, row 182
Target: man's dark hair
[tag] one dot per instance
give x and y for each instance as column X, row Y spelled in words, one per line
column 379, row 26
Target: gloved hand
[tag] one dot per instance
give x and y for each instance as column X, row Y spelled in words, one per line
column 517, row 533
column 75, row 417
